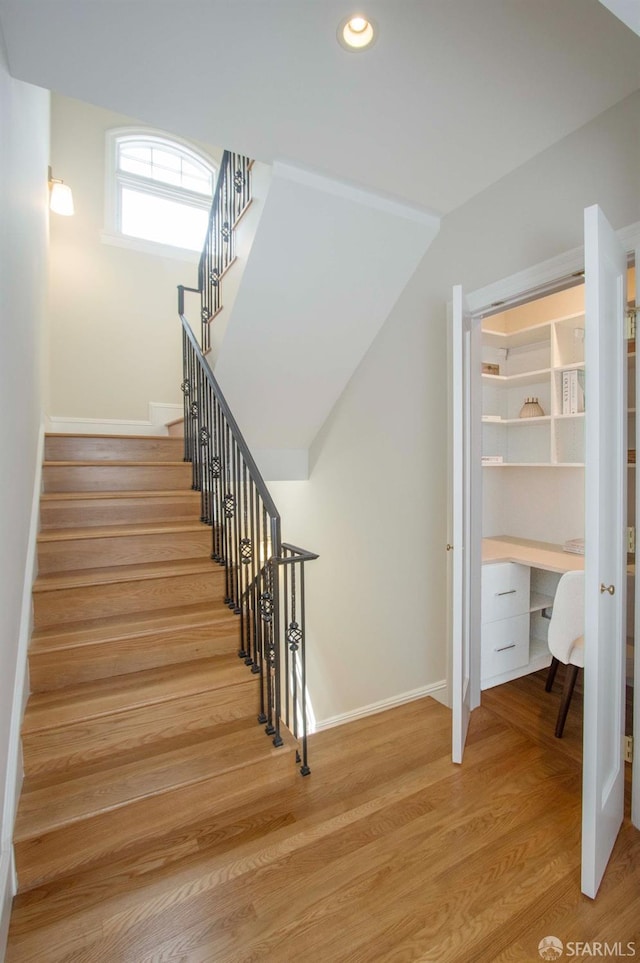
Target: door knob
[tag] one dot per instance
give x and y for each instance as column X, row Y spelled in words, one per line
column 607, row 588
column 449, row 547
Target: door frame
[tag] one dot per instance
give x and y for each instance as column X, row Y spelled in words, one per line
column 465, row 544
column 520, row 287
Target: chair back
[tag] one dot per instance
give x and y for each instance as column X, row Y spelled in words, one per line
column 567, row 618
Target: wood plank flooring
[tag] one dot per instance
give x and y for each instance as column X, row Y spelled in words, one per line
column 387, row 852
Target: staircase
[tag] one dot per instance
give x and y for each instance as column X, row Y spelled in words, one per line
column 142, row 719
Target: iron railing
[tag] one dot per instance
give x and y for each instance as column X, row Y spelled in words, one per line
column 231, row 198
column 264, row 577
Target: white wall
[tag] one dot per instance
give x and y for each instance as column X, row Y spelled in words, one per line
column 512, row 504
column 375, row 506
column 24, row 149
column 115, row 332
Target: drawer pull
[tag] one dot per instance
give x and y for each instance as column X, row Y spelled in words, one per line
column 509, row 592
column 505, row 647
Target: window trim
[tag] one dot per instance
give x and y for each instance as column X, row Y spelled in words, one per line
column 112, row 232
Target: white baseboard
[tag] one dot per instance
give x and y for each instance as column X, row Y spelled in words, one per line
column 159, row 415
column 7, row 892
column 436, row 690
column 14, row 772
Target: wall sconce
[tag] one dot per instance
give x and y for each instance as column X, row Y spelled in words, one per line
column 60, row 196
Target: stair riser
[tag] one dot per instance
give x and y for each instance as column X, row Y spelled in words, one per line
column 121, row 598
column 104, row 447
column 86, row 663
column 81, row 744
column 115, row 478
column 80, row 512
column 69, row 555
column 106, row 836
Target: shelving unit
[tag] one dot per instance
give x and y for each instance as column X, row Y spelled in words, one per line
column 531, row 363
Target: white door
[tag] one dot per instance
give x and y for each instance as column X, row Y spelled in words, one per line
column 635, row 785
column 466, row 532
column 605, row 561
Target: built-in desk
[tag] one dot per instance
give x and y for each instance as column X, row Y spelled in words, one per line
column 518, row 586
column 526, row 551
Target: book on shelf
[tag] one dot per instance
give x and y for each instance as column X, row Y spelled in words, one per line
column 492, row 460
column 574, row 545
column 572, row 392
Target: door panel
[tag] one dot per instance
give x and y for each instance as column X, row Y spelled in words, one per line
column 635, row 785
column 466, row 520
column 605, row 561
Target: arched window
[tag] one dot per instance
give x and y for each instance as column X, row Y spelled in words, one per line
column 158, row 189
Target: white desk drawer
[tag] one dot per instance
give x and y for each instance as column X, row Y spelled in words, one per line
column 505, row 590
column 505, row 645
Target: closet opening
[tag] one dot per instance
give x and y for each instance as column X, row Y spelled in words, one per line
column 534, row 401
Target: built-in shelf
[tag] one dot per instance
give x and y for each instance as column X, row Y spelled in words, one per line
column 488, row 420
column 574, row 366
column 531, row 363
column 524, row 378
column 538, row 602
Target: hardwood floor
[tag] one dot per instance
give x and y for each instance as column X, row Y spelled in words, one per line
column 387, row 852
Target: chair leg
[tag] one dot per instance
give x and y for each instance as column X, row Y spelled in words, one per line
column 551, row 677
column 569, row 684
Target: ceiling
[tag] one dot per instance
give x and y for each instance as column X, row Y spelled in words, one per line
column 453, row 96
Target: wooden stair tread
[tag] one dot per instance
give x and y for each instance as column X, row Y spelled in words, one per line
column 103, row 437
column 123, row 573
column 110, row 628
column 67, row 802
column 120, row 530
column 119, row 463
column 89, row 700
column 124, row 493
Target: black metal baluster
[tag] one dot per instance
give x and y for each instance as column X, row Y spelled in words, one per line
column 207, row 441
column 189, row 418
column 277, row 640
column 236, row 529
column 255, row 567
column 185, row 395
column 304, row 769
column 215, row 482
column 229, row 512
column 289, row 603
column 260, row 622
column 243, row 554
column 196, row 410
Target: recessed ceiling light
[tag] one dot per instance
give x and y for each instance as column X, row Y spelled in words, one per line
column 356, row 33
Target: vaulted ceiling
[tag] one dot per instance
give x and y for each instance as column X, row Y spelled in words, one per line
column 454, row 94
